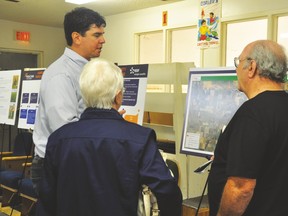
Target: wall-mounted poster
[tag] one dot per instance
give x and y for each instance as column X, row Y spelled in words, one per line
column 29, row 102
column 135, row 84
column 209, row 23
column 212, row 99
column 9, row 94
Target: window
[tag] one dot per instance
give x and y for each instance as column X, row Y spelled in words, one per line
column 240, row 34
column 282, row 34
column 184, row 46
column 151, row 48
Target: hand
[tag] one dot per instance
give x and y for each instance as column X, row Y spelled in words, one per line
column 122, row 112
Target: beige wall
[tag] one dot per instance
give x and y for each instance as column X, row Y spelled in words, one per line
column 120, row 31
column 46, row 40
column 121, row 28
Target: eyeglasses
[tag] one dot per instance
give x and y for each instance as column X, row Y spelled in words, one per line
column 237, row 60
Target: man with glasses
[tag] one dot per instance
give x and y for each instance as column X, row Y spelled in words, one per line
column 250, row 167
column 237, row 60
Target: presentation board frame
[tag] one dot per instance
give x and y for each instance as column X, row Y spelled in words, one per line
column 30, row 97
column 212, row 99
column 9, row 95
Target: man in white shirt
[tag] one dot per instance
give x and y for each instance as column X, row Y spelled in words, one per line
column 60, row 97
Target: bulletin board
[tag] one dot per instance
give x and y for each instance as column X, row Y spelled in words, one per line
column 135, row 84
column 212, row 99
column 29, row 102
column 9, row 94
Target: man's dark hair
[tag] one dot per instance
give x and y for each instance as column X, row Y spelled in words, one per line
column 80, row 20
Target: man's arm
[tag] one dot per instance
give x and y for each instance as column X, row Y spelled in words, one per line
column 236, row 196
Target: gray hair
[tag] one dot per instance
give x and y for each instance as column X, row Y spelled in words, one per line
column 270, row 58
column 100, row 81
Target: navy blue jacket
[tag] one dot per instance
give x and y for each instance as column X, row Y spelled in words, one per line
column 96, row 166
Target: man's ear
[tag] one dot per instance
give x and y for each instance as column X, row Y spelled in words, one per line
column 118, row 98
column 252, row 69
column 76, row 38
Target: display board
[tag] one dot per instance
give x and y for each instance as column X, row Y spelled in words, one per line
column 212, row 99
column 31, row 79
column 135, row 84
column 9, row 94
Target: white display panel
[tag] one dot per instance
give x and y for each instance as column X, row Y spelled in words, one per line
column 135, row 84
column 9, row 94
column 29, row 102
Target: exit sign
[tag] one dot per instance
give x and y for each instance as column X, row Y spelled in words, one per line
column 22, row 36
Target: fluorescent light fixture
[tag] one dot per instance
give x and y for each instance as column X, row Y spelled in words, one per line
column 79, row 2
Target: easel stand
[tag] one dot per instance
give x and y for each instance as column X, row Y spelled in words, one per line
column 192, row 206
column 2, row 144
column 202, row 195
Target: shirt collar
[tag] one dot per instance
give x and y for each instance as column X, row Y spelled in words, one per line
column 95, row 113
column 74, row 56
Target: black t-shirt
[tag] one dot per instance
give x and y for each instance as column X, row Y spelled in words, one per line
column 255, row 145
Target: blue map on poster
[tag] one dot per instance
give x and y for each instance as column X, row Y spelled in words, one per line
column 31, row 116
column 25, row 97
column 34, row 98
column 23, row 113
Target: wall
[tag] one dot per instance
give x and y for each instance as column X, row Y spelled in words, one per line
column 47, row 40
column 121, row 28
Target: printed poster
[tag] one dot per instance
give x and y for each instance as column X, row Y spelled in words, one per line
column 209, row 24
column 29, row 101
column 212, row 100
column 135, row 84
column 9, row 94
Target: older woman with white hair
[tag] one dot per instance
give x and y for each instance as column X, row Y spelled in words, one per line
column 101, row 84
column 96, row 166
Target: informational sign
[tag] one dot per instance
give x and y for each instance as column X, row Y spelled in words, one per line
column 29, row 102
column 135, row 84
column 212, row 99
column 9, row 94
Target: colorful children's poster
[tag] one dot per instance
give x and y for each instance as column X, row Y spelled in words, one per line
column 31, row 79
column 209, row 24
column 135, row 84
column 9, row 94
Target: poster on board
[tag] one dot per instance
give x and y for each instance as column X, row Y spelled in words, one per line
column 212, row 99
column 9, row 94
column 135, row 84
column 29, row 102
